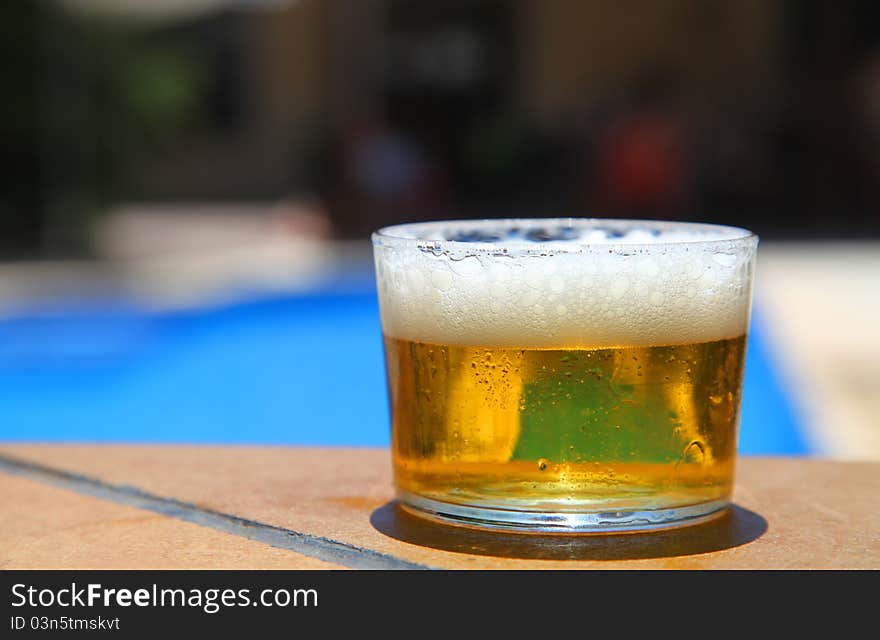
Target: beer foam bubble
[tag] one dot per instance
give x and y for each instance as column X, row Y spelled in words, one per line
column 564, row 283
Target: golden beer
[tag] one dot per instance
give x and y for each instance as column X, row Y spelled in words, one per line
column 565, row 429
column 561, row 384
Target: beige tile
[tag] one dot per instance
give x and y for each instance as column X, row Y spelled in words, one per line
column 44, row 527
column 793, row 513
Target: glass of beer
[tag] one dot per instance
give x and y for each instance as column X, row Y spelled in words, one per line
column 564, row 375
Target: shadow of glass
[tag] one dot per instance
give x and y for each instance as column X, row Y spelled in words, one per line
column 736, row 527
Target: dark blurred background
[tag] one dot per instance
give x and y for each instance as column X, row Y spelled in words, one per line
column 350, row 114
column 188, row 187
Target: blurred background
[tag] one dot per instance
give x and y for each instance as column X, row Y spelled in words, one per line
column 190, row 186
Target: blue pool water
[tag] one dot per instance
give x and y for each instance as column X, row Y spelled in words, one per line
column 304, row 369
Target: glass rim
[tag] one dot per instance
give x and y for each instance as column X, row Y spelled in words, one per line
column 417, row 234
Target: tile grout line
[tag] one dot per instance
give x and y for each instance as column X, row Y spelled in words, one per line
column 321, row 548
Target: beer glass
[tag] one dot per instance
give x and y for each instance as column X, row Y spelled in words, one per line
column 564, row 375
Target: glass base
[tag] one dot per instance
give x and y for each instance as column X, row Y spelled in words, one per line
column 593, row 522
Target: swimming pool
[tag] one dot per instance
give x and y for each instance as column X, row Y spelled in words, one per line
column 301, row 369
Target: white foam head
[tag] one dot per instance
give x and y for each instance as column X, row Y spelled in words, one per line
column 564, row 283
